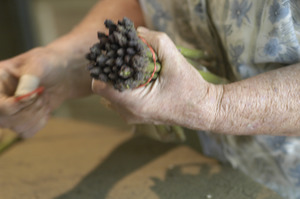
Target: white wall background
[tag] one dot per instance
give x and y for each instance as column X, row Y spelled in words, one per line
column 53, row 18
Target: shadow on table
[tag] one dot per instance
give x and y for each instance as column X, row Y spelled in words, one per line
column 126, row 158
column 177, row 184
column 226, row 184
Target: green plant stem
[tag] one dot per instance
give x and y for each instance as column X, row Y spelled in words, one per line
column 208, row 76
column 188, row 53
column 150, row 67
column 8, row 143
column 212, row 78
column 193, row 53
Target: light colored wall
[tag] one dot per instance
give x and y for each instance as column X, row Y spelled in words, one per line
column 53, row 18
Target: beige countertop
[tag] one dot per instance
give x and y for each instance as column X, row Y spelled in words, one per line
column 75, row 158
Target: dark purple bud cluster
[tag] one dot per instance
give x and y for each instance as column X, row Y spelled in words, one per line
column 119, row 57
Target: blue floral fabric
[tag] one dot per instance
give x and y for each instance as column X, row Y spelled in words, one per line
column 247, row 37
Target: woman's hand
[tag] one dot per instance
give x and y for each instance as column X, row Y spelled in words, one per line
column 29, row 115
column 60, row 68
column 178, row 96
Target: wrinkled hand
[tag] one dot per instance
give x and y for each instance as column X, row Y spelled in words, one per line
column 171, row 99
column 26, row 117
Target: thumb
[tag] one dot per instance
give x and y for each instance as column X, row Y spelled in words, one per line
column 98, row 86
column 166, row 50
column 104, row 89
column 26, row 87
column 22, row 96
column 160, row 42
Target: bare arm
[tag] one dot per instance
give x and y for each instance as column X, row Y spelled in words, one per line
column 73, row 46
column 60, row 68
column 268, row 103
column 265, row 104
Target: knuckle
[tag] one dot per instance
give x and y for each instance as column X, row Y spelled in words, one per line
column 161, row 38
column 8, row 111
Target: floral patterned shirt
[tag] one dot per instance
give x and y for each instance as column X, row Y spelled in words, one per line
column 246, row 37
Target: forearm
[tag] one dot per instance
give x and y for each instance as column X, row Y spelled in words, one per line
column 73, row 47
column 265, row 104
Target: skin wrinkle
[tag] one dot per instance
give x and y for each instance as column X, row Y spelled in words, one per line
column 218, row 108
column 192, row 105
column 200, row 105
column 183, row 104
column 264, row 104
column 259, row 103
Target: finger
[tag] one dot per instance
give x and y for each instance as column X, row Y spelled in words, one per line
column 8, row 83
column 37, row 126
column 27, row 84
column 106, row 90
column 9, row 106
column 160, row 42
column 11, row 63
column 173, row 63
column 98, row 86
column 24, row 116
column 27, row 126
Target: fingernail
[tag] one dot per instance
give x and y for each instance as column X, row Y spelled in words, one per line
column 97, row 86
column 27, row 84
column 142, row 29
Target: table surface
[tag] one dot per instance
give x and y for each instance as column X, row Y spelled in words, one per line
column 74, row 158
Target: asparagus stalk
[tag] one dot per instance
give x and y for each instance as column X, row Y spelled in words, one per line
column 127, row 62
column 8, row 141
column 194, row 54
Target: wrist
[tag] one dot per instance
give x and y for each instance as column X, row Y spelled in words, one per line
column 70, row 62
column 209, row 108
column 198, row 107
column 69, row 50
column 216, row 104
